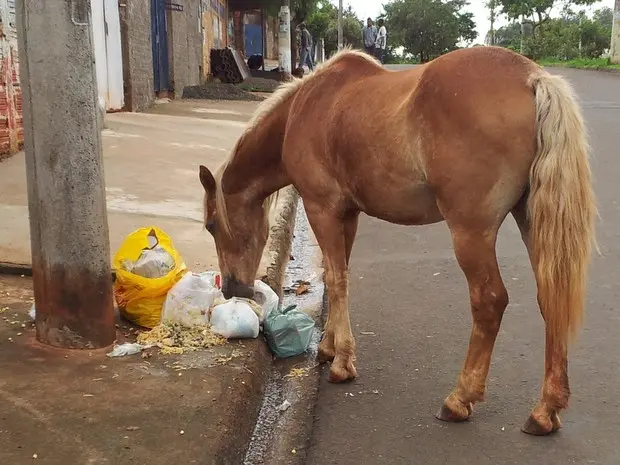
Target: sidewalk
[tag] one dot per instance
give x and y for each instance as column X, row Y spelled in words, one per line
column 151, row 169
column 70, row 407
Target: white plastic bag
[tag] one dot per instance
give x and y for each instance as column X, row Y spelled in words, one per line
column 189, row 300
column 266, row 298
column 128, row 348
column 235, row 319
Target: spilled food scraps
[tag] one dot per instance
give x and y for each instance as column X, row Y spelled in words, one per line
column 297, row 373
column 224, row 360
column 174, row 338
column 299, row 287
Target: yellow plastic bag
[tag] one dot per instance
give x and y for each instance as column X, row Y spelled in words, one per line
column 140, row 300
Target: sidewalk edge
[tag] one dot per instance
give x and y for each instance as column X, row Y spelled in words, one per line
column 280, row 238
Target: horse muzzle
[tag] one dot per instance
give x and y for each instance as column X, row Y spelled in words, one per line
column 231, row 287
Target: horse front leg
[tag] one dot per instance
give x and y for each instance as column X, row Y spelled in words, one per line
column 335, row 235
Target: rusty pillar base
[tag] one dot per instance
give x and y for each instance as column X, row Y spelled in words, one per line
column 74, row 310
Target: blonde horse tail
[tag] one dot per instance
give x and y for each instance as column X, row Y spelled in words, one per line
column 561, row 207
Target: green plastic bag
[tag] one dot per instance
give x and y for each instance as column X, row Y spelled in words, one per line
column 288, row 332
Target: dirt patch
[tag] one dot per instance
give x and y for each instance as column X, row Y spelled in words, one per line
column 219, row 91
column 6, row 156
column 258, row 84
column 79, row 406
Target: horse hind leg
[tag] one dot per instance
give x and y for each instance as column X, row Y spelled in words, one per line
column 545, row 418
column 475, row 253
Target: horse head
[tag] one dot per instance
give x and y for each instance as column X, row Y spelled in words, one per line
column 240, row 227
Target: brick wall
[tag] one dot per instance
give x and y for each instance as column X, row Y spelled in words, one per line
column 272, row 26
column 214, row 28
column 11, row 122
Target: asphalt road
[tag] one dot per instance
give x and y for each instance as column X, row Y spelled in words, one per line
column 410, row 314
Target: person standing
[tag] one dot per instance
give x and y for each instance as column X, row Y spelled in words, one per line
column 305, row 57
column 381, row 42
column 369, row 37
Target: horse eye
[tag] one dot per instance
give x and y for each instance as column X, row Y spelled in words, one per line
column 211, row 226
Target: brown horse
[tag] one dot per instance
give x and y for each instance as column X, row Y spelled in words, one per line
column 467, row 138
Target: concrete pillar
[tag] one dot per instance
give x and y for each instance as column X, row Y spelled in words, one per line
column 66, row 195
column 615, row 35
column 321, row 50
column 284, row 39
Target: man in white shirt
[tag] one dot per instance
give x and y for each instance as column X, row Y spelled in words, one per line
column 381, row 42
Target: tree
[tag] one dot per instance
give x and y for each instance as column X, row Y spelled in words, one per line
column 323, row 23
column 492, row 6
column 569, row 36
column 429, row 28
column 509, row 36
column 536, row 12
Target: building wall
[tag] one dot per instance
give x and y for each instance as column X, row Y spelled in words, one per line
column 11, row 122
column 185, row 45
column 272, row 26
column 215, row 28
column 137, row 54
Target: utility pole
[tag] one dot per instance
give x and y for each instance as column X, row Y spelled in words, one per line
column 491, row 4
column 522, row 48
column 615, row 35
column 340, row 33
column 284, row 38
column 581, row 13
column 66, row 194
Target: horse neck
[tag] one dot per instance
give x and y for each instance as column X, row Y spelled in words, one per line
column 256, row 166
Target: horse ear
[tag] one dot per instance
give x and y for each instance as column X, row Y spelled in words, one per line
column 207, row 180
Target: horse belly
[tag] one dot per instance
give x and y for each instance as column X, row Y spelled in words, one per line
column 410, row 204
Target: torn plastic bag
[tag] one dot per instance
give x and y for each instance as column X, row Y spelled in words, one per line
column 236, row 319
column 190, row 299
column 288, row 332
column 146, row 251
column 266, row 297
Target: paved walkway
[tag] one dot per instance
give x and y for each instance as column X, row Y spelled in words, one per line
column 80, row 407
column 151, row 168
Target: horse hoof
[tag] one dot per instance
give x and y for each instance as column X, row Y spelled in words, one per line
column 341, row 371
column 325, row 355
column 540, row 425
column 453, row 410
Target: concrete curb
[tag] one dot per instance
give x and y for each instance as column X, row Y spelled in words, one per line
column 284, row 431
column 278, row 249
column 280, row 237
column 15, row 269
column 293, row 434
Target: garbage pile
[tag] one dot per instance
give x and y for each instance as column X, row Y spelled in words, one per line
column 186, row 311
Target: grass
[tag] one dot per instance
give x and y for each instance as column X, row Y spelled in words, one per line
column 581, row 63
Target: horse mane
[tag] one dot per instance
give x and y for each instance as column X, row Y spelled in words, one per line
column 282, row 93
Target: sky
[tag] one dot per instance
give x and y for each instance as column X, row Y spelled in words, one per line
column 372, row 8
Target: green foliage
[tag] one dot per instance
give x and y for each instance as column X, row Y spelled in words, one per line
column 323, row 23
column 537, row 12
column 559, row 40
column 581, row 63
column 300, row 9
column 428, row 28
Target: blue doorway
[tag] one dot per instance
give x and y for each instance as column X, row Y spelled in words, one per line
column 159, row 34
column 253, row 39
